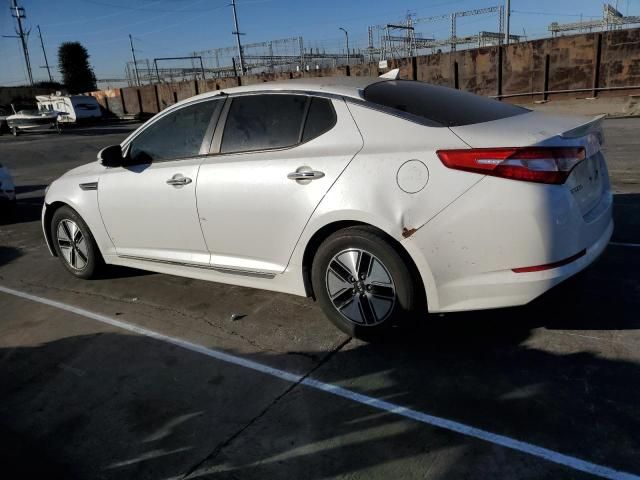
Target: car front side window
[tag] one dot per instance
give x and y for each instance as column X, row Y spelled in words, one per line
column 176, row 135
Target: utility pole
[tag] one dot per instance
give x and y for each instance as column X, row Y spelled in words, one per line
column 347, row 35
column 44, row 52
column 18, row 13
column 237, row 34
column 135, row 64
column 506, row 21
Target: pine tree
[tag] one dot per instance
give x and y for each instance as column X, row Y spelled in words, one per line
column 73, row 63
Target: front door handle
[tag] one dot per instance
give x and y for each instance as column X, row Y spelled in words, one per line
column 305, row 175
column 178, row 180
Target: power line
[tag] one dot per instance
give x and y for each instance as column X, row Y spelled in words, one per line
column 100, row 33
column 551, row 14
column 146, row 9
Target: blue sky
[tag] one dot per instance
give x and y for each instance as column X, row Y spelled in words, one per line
column 176, row 27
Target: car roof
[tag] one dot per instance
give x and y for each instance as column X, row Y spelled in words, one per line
column 342, row 86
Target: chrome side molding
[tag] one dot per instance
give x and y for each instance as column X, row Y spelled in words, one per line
column 232, row 271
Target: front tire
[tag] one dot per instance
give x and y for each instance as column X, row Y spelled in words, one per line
column 75, row 244
column 364, row 285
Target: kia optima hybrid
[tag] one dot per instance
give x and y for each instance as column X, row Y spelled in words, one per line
column 382, row 199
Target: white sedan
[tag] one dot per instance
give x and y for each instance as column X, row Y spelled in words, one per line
column 382, row 199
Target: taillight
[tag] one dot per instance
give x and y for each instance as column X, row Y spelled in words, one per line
column 531, row 164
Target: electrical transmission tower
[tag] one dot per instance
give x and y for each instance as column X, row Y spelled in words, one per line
column 612, row 19
column 18, row 13
column 407, row 45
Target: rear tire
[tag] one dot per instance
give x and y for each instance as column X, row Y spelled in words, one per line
column 74, row 244
column 364, row 285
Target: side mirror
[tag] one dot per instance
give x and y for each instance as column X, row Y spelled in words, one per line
column 111, row 156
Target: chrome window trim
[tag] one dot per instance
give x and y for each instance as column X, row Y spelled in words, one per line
column 224, row 117
column 356, row 101
column 217, row 137
column 311, row 93
column 158, row 116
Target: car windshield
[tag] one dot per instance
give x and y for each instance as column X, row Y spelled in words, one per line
column 440, row 105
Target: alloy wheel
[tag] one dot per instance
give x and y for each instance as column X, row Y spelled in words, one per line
column 73, row 244
column 360, row 287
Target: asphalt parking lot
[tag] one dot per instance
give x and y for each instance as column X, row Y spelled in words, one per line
column 146, row 376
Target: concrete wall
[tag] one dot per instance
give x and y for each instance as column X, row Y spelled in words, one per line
column 149, row 99
column 131, row 99
column 585, row 62
column 620, row 59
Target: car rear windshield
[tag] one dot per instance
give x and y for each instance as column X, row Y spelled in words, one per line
column 438, row 106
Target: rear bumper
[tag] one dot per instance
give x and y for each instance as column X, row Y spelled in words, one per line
column 467, row 254
column 507, row 288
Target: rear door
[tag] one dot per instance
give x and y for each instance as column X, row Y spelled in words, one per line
column 279, row 155
column 149, row 207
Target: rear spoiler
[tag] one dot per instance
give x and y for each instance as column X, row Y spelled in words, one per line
column 391, row 74
column 593, row 125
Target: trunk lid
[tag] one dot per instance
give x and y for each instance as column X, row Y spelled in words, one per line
column 587, row 181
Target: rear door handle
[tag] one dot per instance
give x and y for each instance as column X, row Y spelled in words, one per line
column 305, row 175
column 178, row 180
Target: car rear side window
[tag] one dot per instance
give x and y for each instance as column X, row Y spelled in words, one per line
column 176, row 135
column 436, row 105
column 260, row 122
column 320, row 119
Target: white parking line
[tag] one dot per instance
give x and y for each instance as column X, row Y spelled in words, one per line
column 451, row 425
column 623, row 244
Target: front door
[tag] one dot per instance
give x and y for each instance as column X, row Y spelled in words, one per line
column 280, row 154
column 149, row 206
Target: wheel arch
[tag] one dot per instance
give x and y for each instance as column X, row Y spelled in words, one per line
column 47, row 217
column 329, row 229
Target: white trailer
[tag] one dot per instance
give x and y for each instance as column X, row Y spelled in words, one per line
column 74, row 108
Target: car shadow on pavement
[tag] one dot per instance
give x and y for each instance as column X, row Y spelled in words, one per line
column 111, row 272
column 121, row 406
column 9, row 254
column 626, row 215
column 26, row 210
column 561, row 373
column 20, row 189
